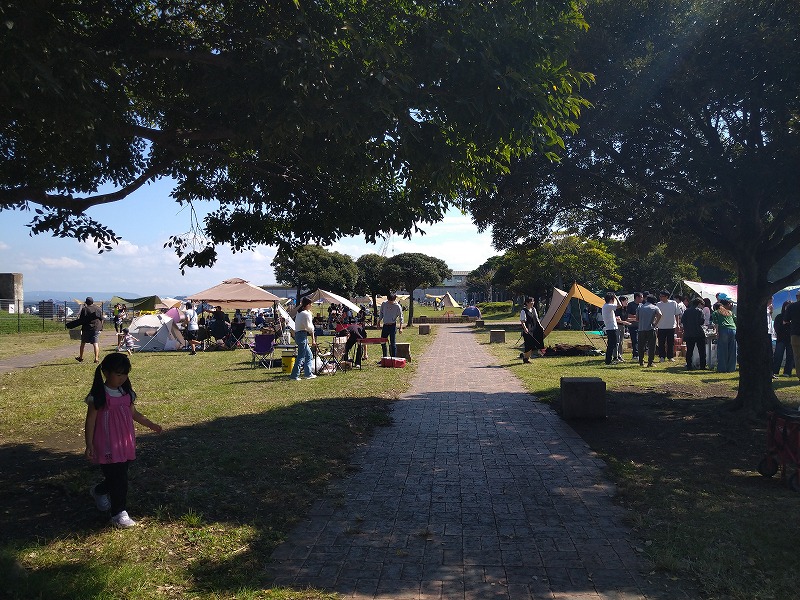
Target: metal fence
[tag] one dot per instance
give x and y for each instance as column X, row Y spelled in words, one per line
column 45, row 315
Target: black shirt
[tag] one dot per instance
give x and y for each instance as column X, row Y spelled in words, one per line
column 793, row 317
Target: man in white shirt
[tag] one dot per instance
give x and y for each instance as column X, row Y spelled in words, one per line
column 390, row 312
column 192, row 328
column 670, row 321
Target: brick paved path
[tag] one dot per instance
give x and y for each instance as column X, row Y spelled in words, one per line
column 475, row 492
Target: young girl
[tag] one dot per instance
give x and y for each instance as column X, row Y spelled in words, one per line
column 110, row 434
column 126, row 342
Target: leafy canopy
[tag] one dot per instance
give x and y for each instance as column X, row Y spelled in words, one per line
column 301, row 121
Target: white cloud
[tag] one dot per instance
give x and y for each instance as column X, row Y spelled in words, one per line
column 63, row 262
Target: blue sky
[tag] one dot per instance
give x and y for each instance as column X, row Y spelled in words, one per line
column 140, row 264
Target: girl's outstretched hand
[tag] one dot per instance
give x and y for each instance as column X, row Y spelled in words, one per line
column 157, row 428
column 89, row 452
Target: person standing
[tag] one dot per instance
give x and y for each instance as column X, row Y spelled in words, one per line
column 725, row 323
column 622, row 322
column 303, row 331
column 391, row 312
column 611, row 327
column 90, row 320
column 633, row 324
column 647, row 317
column 192, row 328
column 532, row 331
column 669, row 322
column 792, row 317
column 693, row 333
column 783, row 343
column 111, row 436
column 119, row 315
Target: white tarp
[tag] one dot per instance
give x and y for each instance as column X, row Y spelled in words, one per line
column 156, row 333
column 710, row 290
column 282, row 312
column 332, row 298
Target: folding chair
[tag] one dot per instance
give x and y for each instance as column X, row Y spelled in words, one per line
column 238, row 333
column 332, row 355
column 262, row 350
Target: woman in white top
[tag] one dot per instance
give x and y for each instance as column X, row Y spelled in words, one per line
column 303, row 330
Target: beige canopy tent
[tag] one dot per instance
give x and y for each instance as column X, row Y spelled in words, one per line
column 331, row 298
column 560, row 301
column 235, row 293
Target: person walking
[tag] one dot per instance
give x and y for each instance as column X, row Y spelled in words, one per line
column 90, row 320
column 647, row 317
column 303, row 330
column 532, row 331
column 111, row 435
column 694, row 336
column 390, row 314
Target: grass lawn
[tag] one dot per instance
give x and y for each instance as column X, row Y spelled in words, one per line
column 243, row 454
column 685, row 465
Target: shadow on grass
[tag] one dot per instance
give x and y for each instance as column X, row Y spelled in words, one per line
column 261, row 470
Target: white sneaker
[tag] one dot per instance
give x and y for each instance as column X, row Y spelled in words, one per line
column 101, row 501
column 294, row 378
column 671, row 360
column 312, row 376
column 122, row 520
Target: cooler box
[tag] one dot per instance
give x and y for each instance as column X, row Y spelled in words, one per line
column 391, row 361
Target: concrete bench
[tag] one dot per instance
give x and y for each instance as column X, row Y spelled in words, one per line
column 479, row 323
column 583, row 398
column 424, row 329
column 497, row 336
column 403, row 350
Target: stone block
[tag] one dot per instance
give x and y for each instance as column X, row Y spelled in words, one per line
column 497, row 336
column 403, row 350
column 583, row 398
column 424, row 329
column 479, row 323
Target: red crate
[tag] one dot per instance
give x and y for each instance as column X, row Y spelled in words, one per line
column 391, row 361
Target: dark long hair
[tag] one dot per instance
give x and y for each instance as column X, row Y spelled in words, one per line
column 116, row 362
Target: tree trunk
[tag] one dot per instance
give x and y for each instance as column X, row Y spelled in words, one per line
column 410, row 320
column 756, row 393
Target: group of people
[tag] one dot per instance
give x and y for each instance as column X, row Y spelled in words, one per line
column 305, row 334
column 653, row 323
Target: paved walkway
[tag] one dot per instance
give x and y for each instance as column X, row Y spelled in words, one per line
column 475, row 492
column 108, row 338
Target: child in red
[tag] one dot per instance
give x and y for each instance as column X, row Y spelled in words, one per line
column 110, row 434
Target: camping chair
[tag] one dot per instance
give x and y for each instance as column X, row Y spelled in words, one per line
column 238, row 333
column 332, row 355
column 262, row 350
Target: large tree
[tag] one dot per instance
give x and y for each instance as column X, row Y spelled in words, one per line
column 562, row 260
column 652, row 271
column 307, row 268
column 413, row 270
column 694, row 136
column 371, row 278
column 301, row 121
